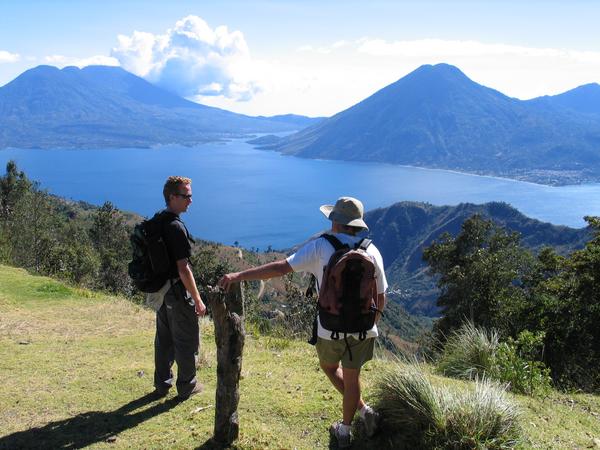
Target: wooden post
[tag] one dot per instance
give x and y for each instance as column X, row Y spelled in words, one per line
column 228, row 310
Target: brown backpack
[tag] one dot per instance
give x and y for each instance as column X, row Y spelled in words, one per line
column 348, row 292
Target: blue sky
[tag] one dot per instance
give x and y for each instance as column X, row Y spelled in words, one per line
column 307, row 57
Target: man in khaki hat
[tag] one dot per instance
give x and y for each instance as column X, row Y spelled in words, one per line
column 346, row 222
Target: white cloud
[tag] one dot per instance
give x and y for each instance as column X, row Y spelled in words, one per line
column 214, row 67
column 438, row 48
column 136, row 52
column 340, row 44
column 7, row 57
column 192, row 60
column 98, row 60
column 433, row 48
column 314, row 84
column 305, row 48
column 325, row 49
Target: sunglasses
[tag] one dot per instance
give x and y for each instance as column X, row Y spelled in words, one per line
column 186, row 196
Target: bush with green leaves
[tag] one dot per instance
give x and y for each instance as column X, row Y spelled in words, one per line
column 480, row 273
column 208, row 266
column 293, row 316
column 300, row 311
column 419, row 414
column 515, row 363
column 472, row 352
column 566, row 306
column 487, row 277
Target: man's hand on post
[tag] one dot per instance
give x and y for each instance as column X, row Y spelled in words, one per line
column 227, row 280
column 264, row 272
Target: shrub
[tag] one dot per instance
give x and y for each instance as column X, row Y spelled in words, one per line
column 515, row 364
column 300, row 312
column 473, row 352
column 426, row 416
column 293, row 321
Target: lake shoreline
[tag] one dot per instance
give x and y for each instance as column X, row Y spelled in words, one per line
column 542, row 177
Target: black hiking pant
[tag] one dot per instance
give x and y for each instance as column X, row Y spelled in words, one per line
column 177, row 340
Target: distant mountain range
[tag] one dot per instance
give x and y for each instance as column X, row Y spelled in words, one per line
column 433, row 117
column 583, row 99
column 402, row 230
column 294, row 119
column 100, row 106
column 437, row 117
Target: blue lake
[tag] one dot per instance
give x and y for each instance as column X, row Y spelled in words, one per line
column 260, row 198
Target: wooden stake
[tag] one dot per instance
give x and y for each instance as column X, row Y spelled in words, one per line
column 227, row 311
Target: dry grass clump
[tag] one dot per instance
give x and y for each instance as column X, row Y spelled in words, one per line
column 469, row 353
column 437, row 417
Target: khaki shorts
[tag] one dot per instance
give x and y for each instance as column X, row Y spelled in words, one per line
column 334, row 351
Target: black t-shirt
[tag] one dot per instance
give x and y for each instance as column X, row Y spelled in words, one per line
column 177, row 239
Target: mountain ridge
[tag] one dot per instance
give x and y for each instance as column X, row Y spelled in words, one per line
column 401, row 231
column 437, row 117
column 584, row 99
column 102, row 106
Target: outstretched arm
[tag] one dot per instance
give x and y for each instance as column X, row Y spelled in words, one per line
column 269, row 270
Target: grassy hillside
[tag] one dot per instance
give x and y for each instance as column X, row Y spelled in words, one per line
column 76, row 369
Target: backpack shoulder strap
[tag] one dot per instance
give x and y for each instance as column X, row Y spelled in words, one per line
column 363, row 244
column 335, row 242
column 165, row 216
column 161, row 218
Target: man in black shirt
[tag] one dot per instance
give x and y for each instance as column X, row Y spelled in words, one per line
column 177, row 331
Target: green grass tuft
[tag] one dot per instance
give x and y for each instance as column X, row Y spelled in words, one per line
column 54, row 289
column 469, row 353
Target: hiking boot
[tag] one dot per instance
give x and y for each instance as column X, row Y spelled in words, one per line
column 343, row 439
column 197, row 389
column 371, row 422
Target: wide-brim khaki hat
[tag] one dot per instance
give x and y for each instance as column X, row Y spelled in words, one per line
column 346, row 211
